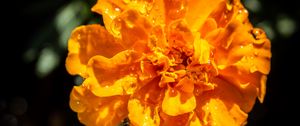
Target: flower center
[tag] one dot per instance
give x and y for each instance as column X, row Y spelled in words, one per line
column 176, row 64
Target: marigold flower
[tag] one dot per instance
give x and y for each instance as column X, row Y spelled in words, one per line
column 168, row 63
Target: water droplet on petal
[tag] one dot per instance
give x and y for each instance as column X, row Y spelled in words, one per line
column 117, row 9
column 77, row 105
column 78, row 36
column 172, row 92
column 178, row 9
column 258, row 33
column 242, row 15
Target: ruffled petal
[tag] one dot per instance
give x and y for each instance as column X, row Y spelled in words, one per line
column 86, row 42
column 177, row 103
column 93, row 110
column 134, row 30
column 114, row 76
column 109, row 11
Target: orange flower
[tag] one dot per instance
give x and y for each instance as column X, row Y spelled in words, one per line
column 168, row 63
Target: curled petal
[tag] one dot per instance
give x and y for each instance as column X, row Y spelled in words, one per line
column 109, row 11
column 176, row 103
column 86, row 42
column 114, row 76
column 209, row 25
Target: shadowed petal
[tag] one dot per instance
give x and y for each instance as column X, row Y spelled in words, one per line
column 86, row 42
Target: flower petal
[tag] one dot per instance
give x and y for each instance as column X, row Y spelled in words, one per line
column 143, row 105
column 201, row 50
column 175, row 9
column 134, row 29
column 86, row 42
column 195, row 121
column 114, row 76
column 217, row 114
column 93, row 110
column 176, row 103
column 198, row 11
column 109, row 11
column 179, row 120
column 244, row 95
column 141, row 115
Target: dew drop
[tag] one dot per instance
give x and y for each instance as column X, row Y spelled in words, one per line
column 117, row 9
column 79, row 37
column 242, row 15
column 172, row 92
column 257, row 33
column 77, row 105
column 178, row 10
column 197, row 92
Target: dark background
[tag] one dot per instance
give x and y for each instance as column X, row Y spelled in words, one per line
column 35, row 86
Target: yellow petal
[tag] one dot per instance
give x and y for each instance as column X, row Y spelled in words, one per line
column 142, row 115
column 194, row 120
column 74, row 65
column 209, row 25
column 244, row 95
column 217, row 114
column 201, row 50
column 176, row 103
column 86, row 42
column 198, row 11
column 134, row 28
column 109, row 12
column 93, row 110
column 262, row 88
column 114, row 76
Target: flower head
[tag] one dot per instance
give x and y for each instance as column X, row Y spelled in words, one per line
column 169, row 63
